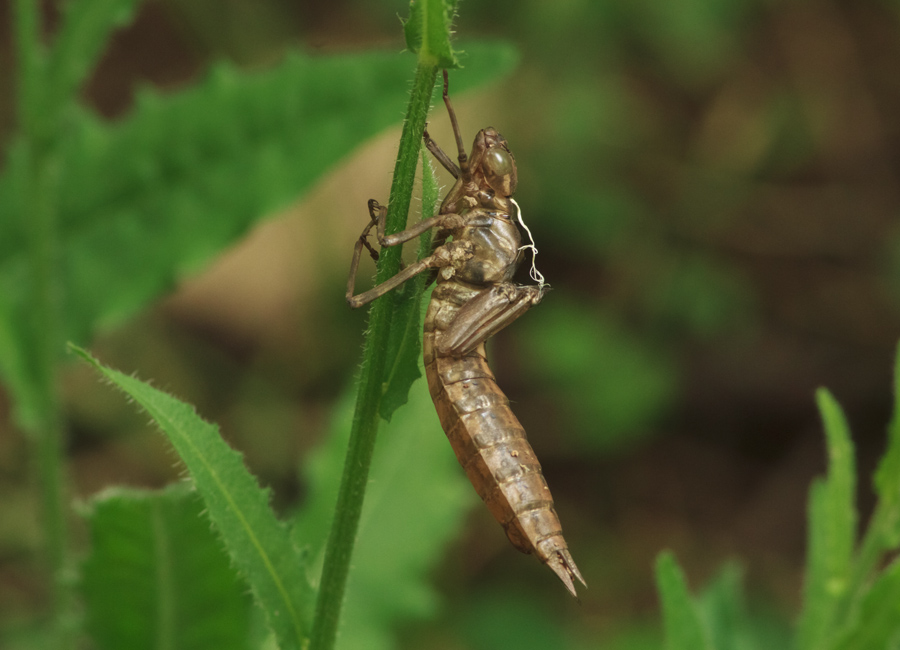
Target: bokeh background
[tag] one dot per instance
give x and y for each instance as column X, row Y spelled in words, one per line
column 713, row 187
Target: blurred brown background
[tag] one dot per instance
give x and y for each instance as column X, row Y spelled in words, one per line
column 712, row 185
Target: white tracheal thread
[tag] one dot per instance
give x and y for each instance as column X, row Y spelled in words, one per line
column 536, row 275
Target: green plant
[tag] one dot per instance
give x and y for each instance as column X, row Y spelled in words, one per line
column 132, row 206
column 280, row 564
column 851, row 596
column 129, row 207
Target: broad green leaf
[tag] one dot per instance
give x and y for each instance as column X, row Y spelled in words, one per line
column 84, row 33
column 149, row 199
column 832, row 530
column 259, row 544
column 887, row 476
column 415, row 504
column 157, row 575
column 428, row 32
column 405, row 343
column 684, row 629
column 878, row 625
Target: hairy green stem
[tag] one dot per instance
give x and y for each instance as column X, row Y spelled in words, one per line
column 366, row 419
column 39, row 210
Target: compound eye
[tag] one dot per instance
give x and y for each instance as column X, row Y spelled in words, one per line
column 500, row 171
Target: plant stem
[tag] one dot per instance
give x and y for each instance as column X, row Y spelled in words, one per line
column 39, row 211
column 366, row 419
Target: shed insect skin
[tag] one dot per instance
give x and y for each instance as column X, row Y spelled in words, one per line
column 473, row 300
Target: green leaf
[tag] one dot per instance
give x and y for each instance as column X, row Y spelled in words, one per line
column 405, row 341
column 428, row 31
column 415, row 505
column 841, row 484
column 723, row 610
column 404, row 347
column 887, row 476
column 683, row 626
column 878, row 624
column 84, row 33
column 148, row 200
column 157, row 576
column 832, row 530
column 258, row 543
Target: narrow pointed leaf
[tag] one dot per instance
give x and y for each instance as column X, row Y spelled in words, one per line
column 832, row 530
column 682, row 624
column 818, row 600
column 841, row 486
column 158, row 577
column 259, row 544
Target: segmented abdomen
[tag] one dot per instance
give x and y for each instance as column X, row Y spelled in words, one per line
column 489, row 441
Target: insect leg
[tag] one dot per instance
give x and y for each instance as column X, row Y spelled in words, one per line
column 449, row 254
column 440, row 155
column 485, row 315
column 409, row 233
column 361, row 242
column 463, row 159
column 379, row 212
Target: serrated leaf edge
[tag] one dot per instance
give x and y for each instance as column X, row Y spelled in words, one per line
column 162, row 421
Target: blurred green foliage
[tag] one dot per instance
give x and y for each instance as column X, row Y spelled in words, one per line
column 414, row 507
column 705, row 180
column 852, row 581
column 257, row 542
column 150, row 199
column 524, row 623
column 142, row 543
column 608, row 386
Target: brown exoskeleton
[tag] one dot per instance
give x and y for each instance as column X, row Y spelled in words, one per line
column 473, row 300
